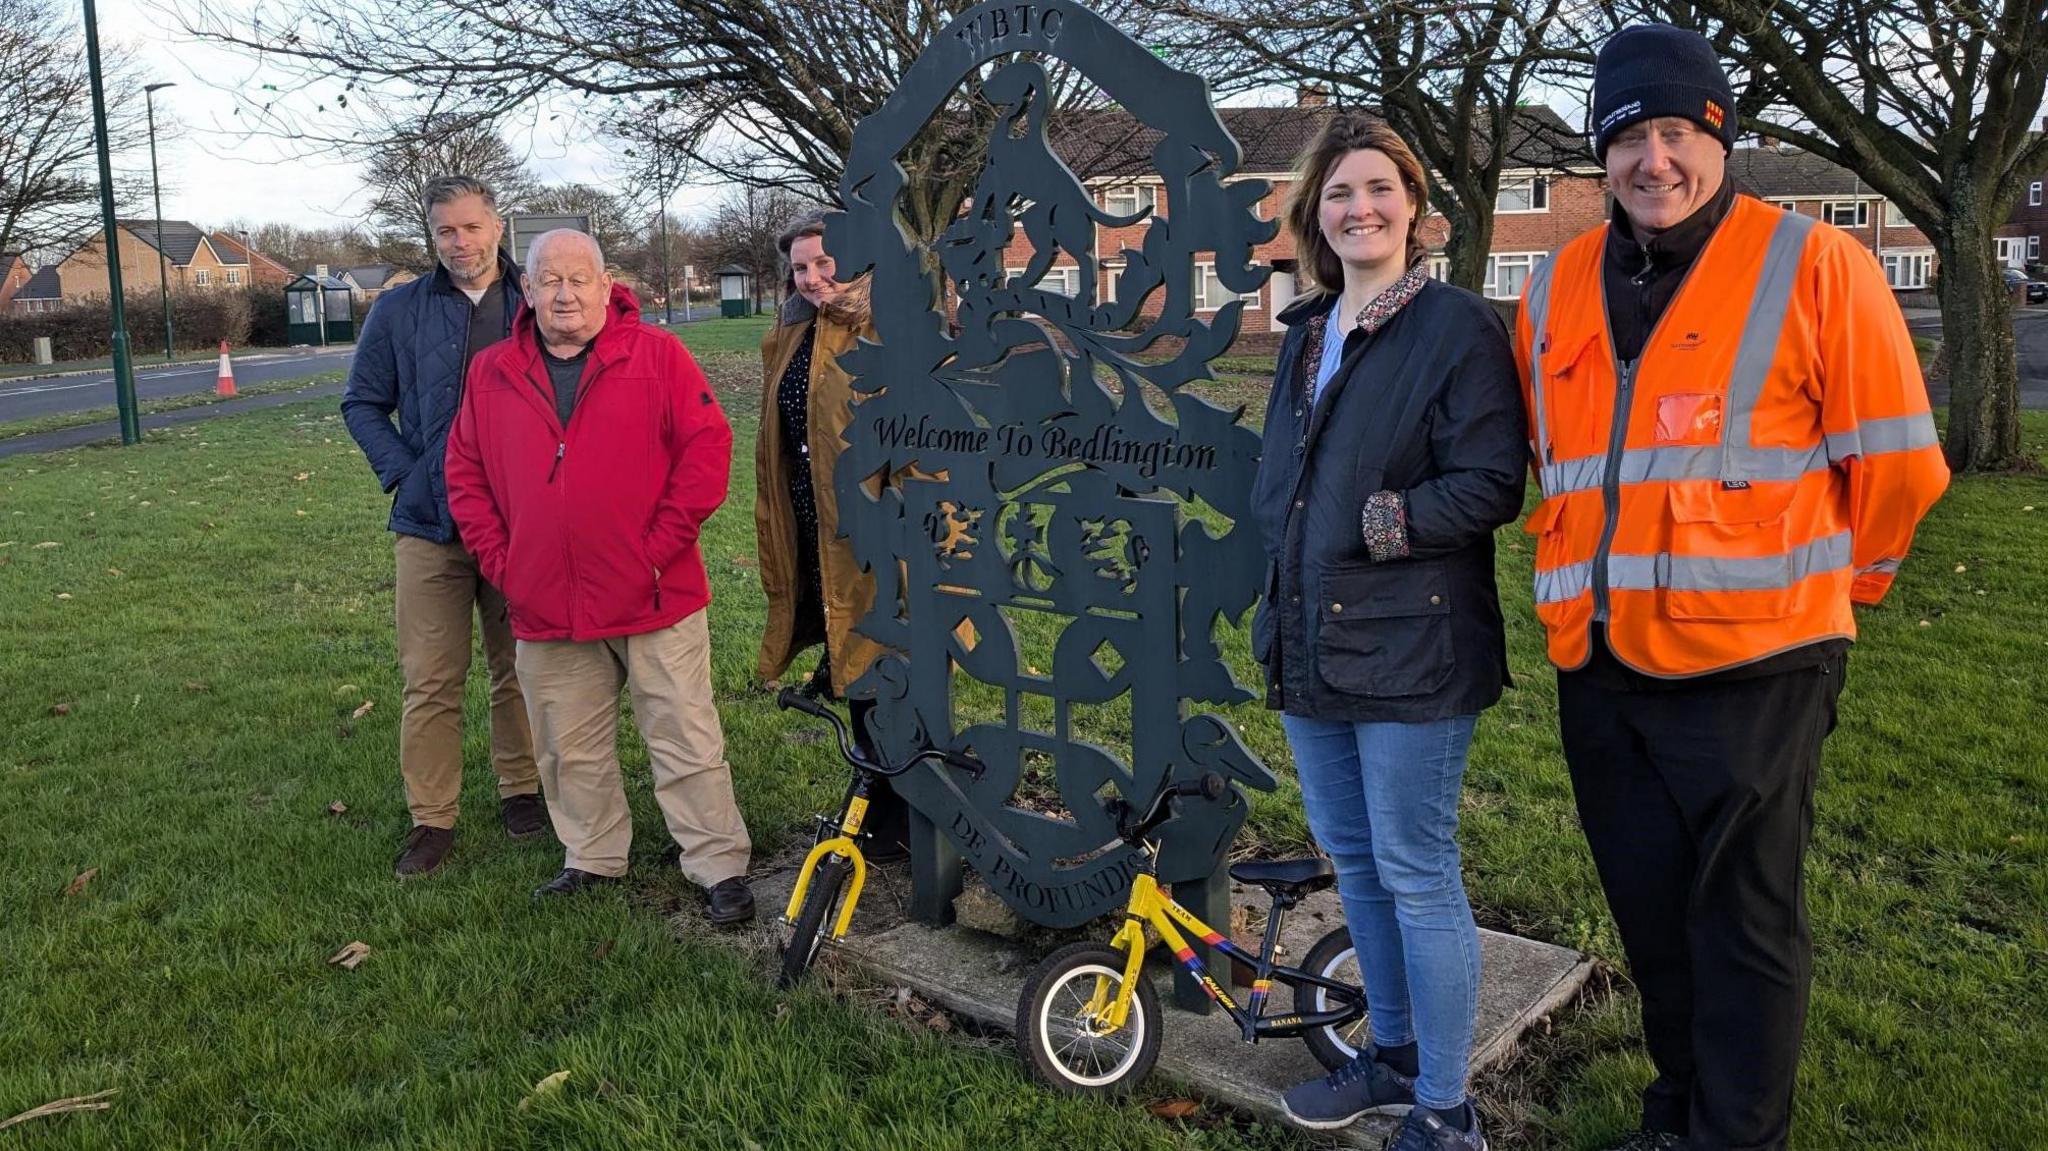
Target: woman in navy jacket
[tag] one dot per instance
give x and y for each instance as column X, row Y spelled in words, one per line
column 1394, row 446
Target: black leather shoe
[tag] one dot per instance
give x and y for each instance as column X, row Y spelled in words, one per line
column 525, row 816
column 729, row 901
column 424, row 849
column 572, row 881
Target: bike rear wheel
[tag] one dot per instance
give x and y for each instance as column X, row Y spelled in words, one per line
column 1057, row 1026
column 1333, row 958
column 813, row 919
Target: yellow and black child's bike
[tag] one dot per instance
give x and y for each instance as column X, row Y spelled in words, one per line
column 1088, row 1020
column 837, row 858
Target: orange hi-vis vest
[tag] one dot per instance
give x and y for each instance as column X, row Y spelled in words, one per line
column 1762, row 463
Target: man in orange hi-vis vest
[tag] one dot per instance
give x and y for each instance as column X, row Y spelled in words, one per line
column 1734, row 446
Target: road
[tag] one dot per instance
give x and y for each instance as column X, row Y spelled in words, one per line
column 2030, row 330
column 28, row 399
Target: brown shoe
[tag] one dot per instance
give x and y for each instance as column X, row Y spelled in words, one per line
column 425, row 848
column 525, row 816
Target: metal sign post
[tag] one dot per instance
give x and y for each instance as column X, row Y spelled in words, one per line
column 1043, row 473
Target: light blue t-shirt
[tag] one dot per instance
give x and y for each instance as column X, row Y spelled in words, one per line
column 1333, row 353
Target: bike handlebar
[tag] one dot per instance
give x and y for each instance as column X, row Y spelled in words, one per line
column 794, row 699
column 1210, row 786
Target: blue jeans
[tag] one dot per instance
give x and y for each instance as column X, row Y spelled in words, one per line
column 1382, row 800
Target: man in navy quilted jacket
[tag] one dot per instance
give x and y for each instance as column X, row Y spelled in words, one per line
column 412, row 356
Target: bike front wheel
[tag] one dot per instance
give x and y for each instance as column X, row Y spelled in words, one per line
column 1059, row 1023
column 813, row 919
column 1336, row 959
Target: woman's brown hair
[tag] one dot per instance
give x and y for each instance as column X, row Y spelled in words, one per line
column 1341, row 135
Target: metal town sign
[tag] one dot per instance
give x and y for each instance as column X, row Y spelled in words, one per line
column 1037, row 474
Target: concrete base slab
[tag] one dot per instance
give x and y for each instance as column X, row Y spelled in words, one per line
column 981, row 976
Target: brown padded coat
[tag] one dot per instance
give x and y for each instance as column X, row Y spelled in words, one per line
column 848, row 591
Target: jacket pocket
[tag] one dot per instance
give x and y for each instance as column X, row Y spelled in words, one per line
column 1731, row 559
column 1385, row 631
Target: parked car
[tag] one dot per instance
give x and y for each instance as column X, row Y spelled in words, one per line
column 2036, row 290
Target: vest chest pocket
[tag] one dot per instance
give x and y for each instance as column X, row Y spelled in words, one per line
column 1731, row 557
column 1385, row 631
column 1577, row 409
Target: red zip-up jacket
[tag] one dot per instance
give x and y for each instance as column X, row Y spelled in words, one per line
column 590, row 530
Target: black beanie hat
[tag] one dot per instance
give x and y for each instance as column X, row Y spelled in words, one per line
column 1658, row 70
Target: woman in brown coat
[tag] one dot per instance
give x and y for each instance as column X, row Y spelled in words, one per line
column 816, row 589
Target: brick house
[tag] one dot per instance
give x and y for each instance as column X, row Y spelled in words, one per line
column 369, row 281
column 192, row 261
column 263, row 270
column 14, row 275
column 1552, row 195
column 41, row 292
column 1803, row 182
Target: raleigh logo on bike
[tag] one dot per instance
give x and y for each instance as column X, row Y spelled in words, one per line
column 1022, row 482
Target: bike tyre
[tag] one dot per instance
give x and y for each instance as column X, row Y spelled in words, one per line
column 813, row 919
column 1331, row 1046
column 1080, row 961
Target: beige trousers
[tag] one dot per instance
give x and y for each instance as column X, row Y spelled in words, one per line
column 439, row 588
column 572, row 694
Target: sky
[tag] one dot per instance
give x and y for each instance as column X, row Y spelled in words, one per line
column 213, row 174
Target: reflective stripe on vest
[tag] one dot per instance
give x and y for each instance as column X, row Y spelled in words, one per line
column 1539, row 311
column 1698, row 573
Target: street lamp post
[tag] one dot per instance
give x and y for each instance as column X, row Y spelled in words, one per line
column 124, row 372
column 163, row 275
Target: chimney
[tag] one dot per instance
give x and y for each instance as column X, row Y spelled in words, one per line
column 1311, row 96
column 1768, row 143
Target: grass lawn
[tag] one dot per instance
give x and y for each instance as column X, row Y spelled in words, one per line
column 189, row 629
column 9, row 429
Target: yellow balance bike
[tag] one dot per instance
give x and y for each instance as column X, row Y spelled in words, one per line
column 1088, row 1020
column 836, row 862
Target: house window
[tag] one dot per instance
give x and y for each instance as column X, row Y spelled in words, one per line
column 2034, row 194
column 2009, row 249
column 2033, row 247
column 1439, row 267
column 1506, row 274
column 201, row 278
column 1523, row 194
column 234, row 275
column 1908, row 270
column 1063, row 281
column 1105, row 282
column 1130, row 199
column 1210, row 294
column 1789, row 205
column 1895, row 216
column 1846, row 213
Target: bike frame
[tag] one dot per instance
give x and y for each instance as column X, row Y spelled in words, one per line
column 1149, row 905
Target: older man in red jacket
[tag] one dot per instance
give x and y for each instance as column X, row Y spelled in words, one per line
column 586, row 457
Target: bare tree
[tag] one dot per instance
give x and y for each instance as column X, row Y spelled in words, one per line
column 417, row 151
column 337, row 247
column 1933, row 104
column 1452, row 77
column 762, row 93
column 49, row 191
column 613, row 221
column 742, row 230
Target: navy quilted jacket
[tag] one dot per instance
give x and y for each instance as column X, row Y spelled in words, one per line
column 409, row 361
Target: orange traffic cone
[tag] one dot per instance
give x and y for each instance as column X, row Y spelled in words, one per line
column 226, row 386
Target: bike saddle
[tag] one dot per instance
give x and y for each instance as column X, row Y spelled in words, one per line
column 1292, row 877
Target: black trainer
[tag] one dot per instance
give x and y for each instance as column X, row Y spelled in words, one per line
column 1652, row 1141
column 729, row 901
column 1364, row 1086
column 571, row 881
column 424, row 849
column 1423, row 1131
column 525, row 816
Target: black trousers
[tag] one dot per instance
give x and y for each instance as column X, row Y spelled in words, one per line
column 1697, row 801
